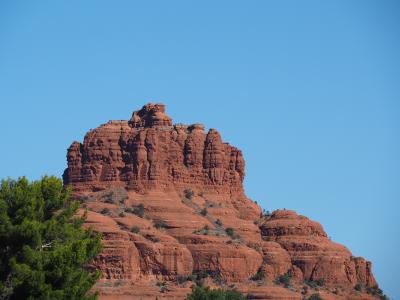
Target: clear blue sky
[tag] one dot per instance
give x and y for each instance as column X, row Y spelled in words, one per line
column 309, row 90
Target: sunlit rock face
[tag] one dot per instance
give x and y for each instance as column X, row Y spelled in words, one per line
column 169, row 202
column 149, row 153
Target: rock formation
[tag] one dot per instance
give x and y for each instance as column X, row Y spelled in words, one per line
column 148, row 152
column 170, row 204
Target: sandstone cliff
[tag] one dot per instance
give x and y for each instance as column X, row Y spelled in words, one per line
column 170, row 204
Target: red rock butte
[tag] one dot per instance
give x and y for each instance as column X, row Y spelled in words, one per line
column 170, row 204
column 149, row 153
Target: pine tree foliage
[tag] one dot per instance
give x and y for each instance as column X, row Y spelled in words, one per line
column 44, row 251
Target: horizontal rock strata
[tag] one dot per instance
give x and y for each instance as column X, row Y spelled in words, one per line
column 169, row 202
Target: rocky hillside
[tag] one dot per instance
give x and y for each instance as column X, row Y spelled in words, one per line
column 170, row 204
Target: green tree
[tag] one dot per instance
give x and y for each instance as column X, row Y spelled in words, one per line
column 205, row 293
column 44, row 251
column 284, row 279
column 188, row 193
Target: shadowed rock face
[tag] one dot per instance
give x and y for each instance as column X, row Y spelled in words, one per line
column 169, row 202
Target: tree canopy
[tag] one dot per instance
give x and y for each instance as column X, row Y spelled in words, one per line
column 44, row 250
column 205, row 293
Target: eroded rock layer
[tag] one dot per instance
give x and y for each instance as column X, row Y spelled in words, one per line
column 313, row 253
column 169, row 202
column 148, row 152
